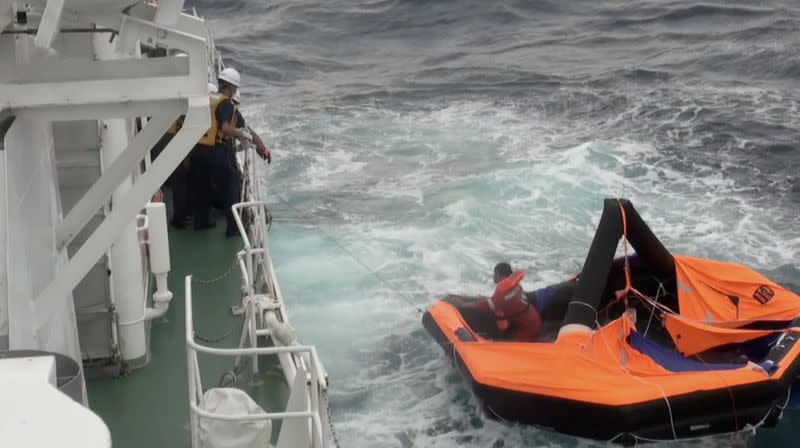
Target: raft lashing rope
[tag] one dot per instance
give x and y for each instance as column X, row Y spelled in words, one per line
column 325, row 235
column 654, row 304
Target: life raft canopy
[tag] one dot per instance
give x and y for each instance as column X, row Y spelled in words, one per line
column 619, row 219
column 708, row 297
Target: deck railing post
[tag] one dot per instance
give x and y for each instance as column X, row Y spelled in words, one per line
column 191, row 365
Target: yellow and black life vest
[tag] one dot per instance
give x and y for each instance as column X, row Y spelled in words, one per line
column 214, row 134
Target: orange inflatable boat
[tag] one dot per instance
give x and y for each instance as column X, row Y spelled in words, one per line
column 649, row 346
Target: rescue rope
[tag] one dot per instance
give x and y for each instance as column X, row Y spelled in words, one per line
column 664, row 394
column 300, row 214
column 629, row 288
column 649, row 440
column 654, row 304
column 596, row 321
column 653, row 309
column 499, row 417
column 766, row 415
column 577, row 302
column 728, row 388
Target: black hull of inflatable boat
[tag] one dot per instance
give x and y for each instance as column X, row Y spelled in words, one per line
column 692, row 415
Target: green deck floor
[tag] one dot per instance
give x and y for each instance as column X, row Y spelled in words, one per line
column 150, row 407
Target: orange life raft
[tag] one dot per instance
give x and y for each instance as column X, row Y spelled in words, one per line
column 696, row 347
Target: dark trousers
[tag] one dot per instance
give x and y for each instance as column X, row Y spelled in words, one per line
column 234, row 178
column 232, row 190
column 212, row 172
column 179, row 181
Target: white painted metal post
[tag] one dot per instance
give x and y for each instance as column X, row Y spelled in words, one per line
column 3, row 250
column 50, row 25
column 190, row 363
column 125, row 253
column 6, row 13
column 251, row 321
column 168, row 12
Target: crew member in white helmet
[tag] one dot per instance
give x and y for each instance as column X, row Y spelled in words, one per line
column 209, row 159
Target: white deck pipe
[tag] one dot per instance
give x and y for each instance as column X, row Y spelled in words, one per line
column 159, row 258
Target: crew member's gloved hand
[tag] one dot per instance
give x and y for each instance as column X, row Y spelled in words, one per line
column 246, row 136
column 263, row 152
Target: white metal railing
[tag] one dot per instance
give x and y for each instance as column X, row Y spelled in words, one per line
column 267, row 310
column 260, row 210
column 250, row 166
column 264, row 315
column 196, row 404
column 256, row 322
column 259, row 257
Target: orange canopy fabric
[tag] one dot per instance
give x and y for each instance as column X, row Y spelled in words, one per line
column 715, row 291
column 597, row 368
column 691, row 337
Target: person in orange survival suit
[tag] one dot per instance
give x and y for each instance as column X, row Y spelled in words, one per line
column 516, row 318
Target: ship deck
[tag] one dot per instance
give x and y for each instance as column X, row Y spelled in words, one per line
column 150, row 406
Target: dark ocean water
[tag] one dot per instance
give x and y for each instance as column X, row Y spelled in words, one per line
column 434, row 138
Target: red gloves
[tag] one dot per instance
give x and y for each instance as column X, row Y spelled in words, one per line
column 263, row 152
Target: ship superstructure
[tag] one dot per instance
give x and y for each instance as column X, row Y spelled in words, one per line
column 87, row 88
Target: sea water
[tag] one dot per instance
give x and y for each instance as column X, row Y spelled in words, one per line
column 417, row 143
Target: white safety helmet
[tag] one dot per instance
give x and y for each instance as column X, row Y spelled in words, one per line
column 231, row 76
column 236, row 96
column 212, row 88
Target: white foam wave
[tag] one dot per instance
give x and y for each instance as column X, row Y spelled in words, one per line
column 443, row 194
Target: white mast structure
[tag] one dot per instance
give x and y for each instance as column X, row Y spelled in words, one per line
column 74, row 91
column 87, row 89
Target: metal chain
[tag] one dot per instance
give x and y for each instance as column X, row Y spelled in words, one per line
column 220, row 338
column 116, row 353
column 203, row 282
column 199, row 281
column 330, row 420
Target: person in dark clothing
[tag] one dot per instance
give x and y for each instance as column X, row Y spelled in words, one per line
column 229, row 179
column 514, row 317
column 234, row 174
column 209, row 158
column 178, row 182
